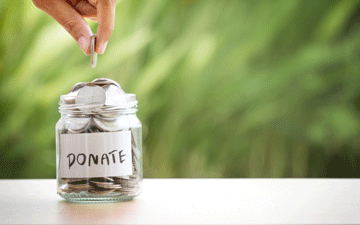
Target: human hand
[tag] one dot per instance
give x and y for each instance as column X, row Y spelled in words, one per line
column 71, row 13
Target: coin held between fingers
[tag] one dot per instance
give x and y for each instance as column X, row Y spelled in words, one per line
column 93, row 53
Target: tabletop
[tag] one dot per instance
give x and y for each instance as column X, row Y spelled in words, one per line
column 191, row 201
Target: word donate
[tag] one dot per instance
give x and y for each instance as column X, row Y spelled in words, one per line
column 96, row 154
column 94, row 158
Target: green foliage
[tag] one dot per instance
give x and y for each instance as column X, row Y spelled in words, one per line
column 225, row 88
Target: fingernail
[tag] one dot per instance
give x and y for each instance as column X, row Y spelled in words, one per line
column 102, row 48
column 84, row 45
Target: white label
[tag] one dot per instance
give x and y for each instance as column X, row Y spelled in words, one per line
column 95, row 154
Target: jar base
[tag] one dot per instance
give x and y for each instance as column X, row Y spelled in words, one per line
column 100, row 199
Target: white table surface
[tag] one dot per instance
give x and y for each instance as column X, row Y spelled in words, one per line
column 191, row 201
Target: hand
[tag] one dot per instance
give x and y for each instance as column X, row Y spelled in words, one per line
column 71, row 13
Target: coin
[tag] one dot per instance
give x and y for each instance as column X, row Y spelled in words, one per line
column 135, row 166
column 89, row 96
column 100, row 192
column 118, row 180
column 67, row 190
column 93, row 128
column 70, row 98
column 108, row 125
column 115, row 96
column 67, row 180
column 105, row 185
column 78, row 181
column 79, row 186
column 128, row 185
column 93, row 53
column 77, row 87
column 65, row 131
column 78, row 125
column 133, row 138
column 108, row 114
column 105, row 81
column 102, row 179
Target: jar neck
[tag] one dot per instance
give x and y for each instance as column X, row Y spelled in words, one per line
column 90, row 115
column 80, row 106
column 102, row 112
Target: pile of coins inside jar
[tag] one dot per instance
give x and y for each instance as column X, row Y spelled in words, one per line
column 96, row 100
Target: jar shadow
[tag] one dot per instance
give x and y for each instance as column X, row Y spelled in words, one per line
column 95, row 213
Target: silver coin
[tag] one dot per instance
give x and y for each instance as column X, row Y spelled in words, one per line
column 102, row 179
column 105, row 185
column 108, row 125
column 69, row 191
column 105, row 86
column 93, row 53
column 79, row 186
column 136, row 152
column 77, row 131
column 126, row 190
column 100, row 192
column 89, row 96
column 134, row 177
column 115, row 96
column 93, row 128
column 106, row 81
column 77, row 87
column 135, row 166
column 77, row 182
column 78, row 124
column 118, row 180
column 66, row 180
column 126, row 185
column 65, row 131
column 133, row 142
column 70, row 100
column 108, row 114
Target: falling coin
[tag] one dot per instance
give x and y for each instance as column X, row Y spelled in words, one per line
column 93, row 53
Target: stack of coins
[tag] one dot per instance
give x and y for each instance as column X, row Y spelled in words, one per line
column 125, row 185
column 91, row 96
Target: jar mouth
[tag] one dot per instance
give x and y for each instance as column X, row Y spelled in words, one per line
column 95, row 104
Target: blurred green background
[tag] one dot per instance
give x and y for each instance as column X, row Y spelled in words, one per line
column 225, row 88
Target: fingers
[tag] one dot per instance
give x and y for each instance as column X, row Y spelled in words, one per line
column 83, row 7
column 70, row 19
column 105, row 18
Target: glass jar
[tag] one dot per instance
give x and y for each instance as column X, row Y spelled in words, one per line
column 98, row 144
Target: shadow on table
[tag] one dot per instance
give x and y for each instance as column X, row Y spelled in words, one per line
column 98, row 212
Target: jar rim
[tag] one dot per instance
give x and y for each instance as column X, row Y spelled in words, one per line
column 70, row 104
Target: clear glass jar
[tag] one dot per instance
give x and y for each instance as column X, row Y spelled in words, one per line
column 99, row 150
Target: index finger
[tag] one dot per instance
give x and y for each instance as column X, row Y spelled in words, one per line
column 106, row 19
column 70, row 19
